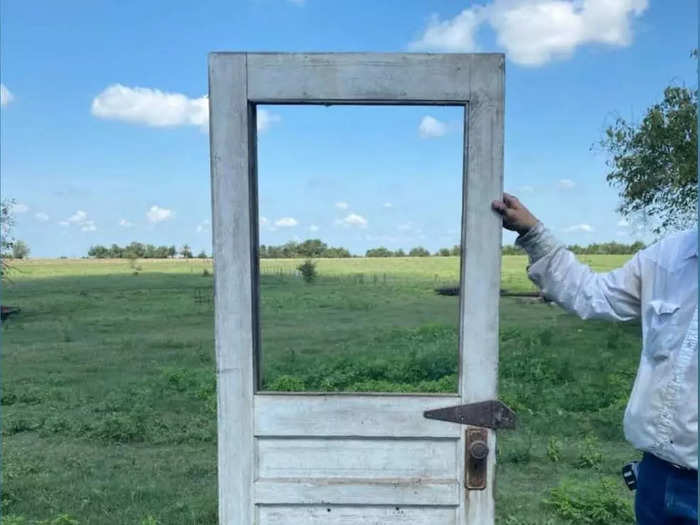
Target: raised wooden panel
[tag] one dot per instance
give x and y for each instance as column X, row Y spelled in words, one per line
column 387, row 459
column 357, row 492
column 338, row 515
column 351, row 416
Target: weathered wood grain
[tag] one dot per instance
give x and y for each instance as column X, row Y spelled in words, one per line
column 420, row 459
column 233, row 319
column 359, row 77
column 351, row 415
column 373, row 459
column 365, row 515
column 357, row 492
column 481, row 263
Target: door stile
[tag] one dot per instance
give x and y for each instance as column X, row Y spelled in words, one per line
column 234, row 323
column 481, row 263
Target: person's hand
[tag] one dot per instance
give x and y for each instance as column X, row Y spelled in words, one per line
column 516, row 217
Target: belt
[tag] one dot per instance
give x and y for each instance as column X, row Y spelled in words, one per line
column 674, row 465
column 681, row 467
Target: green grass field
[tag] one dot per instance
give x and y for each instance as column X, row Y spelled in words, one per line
column 108, row 391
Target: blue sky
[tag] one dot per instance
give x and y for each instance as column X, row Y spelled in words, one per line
column 104, row 117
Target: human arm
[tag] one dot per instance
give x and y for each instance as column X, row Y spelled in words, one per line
column 615, row 295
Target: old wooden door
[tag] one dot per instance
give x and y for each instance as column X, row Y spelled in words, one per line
column 299, row 459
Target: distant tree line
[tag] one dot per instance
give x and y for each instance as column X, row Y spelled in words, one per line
column 608, row 248
column 604, row 248
column 139, row 250
column 310, row 248
column 315, row 248
column 418, row 251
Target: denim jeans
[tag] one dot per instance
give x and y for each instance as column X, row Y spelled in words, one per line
column 665, row 494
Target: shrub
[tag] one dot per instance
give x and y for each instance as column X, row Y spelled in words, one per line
column 519, row 451
column 287, row 383
column 11, row 519
column 554, row 449
column 308, row 271
column 590, row 455
column 121, row 428
column 594, row 502
column 61, row 519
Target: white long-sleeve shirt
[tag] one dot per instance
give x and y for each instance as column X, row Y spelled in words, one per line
column 660, row 286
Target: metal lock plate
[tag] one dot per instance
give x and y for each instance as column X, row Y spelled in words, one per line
column 476, row 458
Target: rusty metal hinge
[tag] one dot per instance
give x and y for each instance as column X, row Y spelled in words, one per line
column 491, row 414
column 486, row 414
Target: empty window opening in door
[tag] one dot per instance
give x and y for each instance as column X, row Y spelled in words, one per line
column 359, row 215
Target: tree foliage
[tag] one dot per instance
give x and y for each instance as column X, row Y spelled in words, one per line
column 135, row 250
column 20, row 250
column 310, row 248
column 602, row 248
column 654, row 164
column 314, row 248
column 608, row 248
column 380, row 252
column 186, row 252
column 418, row 251
column 7, row 222
column 308, row 271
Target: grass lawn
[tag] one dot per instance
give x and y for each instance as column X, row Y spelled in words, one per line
column 108, row 391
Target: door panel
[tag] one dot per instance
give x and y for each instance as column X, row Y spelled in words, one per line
column 365, row 515
column 351, row 415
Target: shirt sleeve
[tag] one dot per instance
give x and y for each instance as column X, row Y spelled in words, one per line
column 614, row 295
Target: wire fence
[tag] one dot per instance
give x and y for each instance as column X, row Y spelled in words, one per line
column 204, row 294
column 372, row 278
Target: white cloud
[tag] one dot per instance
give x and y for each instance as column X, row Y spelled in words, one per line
column 566, row 184
column 388, row 205
column 78, row 217
column 157, row 214
column 263, row 221
column 622, row 223
column 286, row 222
column 353, row 219
column 150, row 106
column 125, row 224
column 18, row 207
column 431, row 127
column 265, row 119
column 342, row 205
column 457, row 34
column 297, row 2
column 313, row 228
column 202, row 226
column 153, row 107
column 41, row 216
column 6, row 95
column 533, row 32
column 405, row 227
column 527, row 189
column 88, row 226
column 579, row 228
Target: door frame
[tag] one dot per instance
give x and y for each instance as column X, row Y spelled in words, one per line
column 240, row 81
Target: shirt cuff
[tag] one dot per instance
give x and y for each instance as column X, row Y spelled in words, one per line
column 537, row 242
